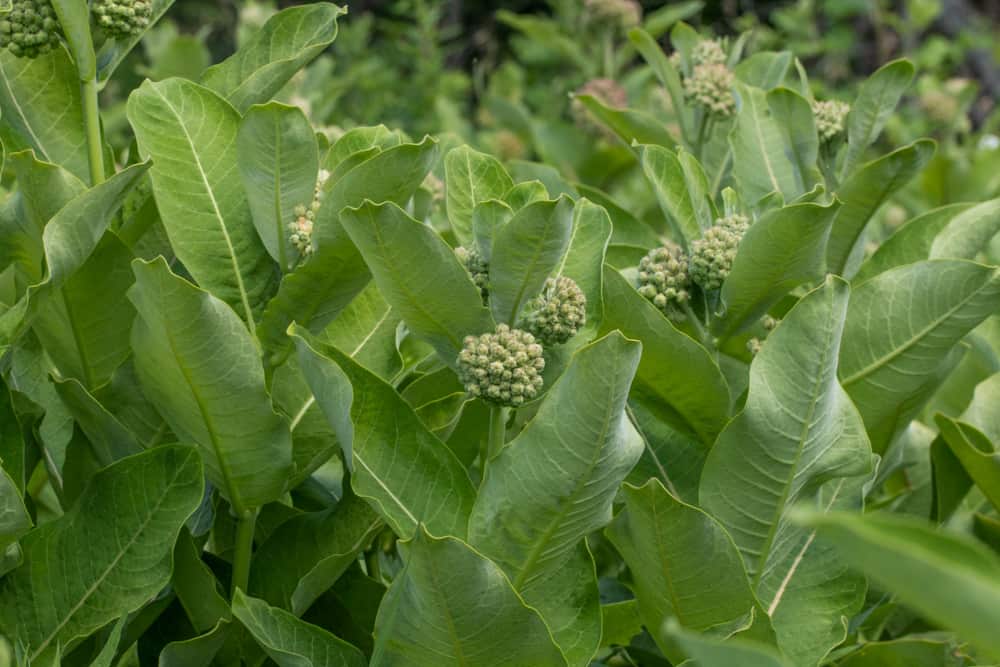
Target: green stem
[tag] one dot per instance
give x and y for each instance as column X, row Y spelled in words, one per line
column 498, row 433
column 609, row 55
column 244, row 549
column 703, row 334
column 92, row 125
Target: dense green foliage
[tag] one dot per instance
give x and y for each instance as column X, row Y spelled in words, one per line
column 699, row 366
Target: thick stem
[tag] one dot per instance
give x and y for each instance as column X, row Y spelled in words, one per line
column 498, row 433
column 706, row 338
column 244, row 549
column 92, row 125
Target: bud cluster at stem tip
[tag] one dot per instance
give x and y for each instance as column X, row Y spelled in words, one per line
column 830, row 116
column 710, row 86
column 30, row 28
column 503, row 367
column 623, row 14
column 712, row 255
column 301, row 227
column 664, row 279
column 123, row 18
column 557, row 314
column 478, row 268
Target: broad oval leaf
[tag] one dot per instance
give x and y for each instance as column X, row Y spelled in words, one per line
column 681, row 189
column 876, row 101
column 419, row 275
column 950, row 579
column 779, row 252
column 450, row 606
column 526, row 251
column 108, row 555
column 901, row 325
column 408, row 474
column 200, row 367
column 969, row 233
column 288, row 41
column 471, row 178
column 798, row 431
column 279, row 161
column 191, row 133
column 290, row 641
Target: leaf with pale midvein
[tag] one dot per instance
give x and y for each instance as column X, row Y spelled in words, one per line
column 108, row 555
column 472, row 178
column 969, row 233
column 762, row 160
column 684, row 565
column 201, row 369
column 290, row 641
column 951, row 580
column 555, row 482
column 191, row 134
column 781, row 251
column 901, row 325
column 876, row 101
column 288, row 42
column 681, row 188
column 403, row 469
column 279, row 161
column 450, row 606
column 797, row 431
column 419, row 276
column 40, row 104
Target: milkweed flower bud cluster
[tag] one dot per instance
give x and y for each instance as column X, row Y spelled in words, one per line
column 710, row 86
column 123, row 18
column 664, row 279
column 557, row 314
column 712, row 255
column 504, row 367
column 830, row 116
column 300, row 229
column 606, row 91
column 708, row 52
column 622, row 13
column 30, row 29
column 478, row 268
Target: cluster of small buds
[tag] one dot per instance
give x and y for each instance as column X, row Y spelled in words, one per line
column 712, row 255
column 434, row 185
column 754, row 345
column 710, row 85
column 608, row 92
column 30, row 29
column 504, row 367
column 624, row 14
column 708, row 52
column 830, row 116
column 509, row 146
column 300, row 229
column 123, row 18
column 664, row 279
column 478, row 268
column 557, row 314
column 769, row 323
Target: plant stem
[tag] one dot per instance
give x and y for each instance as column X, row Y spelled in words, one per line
column 92, row 125
column 703, row 334
column 244, row 549
column 498, row 426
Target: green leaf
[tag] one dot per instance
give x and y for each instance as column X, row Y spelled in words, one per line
column 317, row 291
column 765, row 70
column 85, row 325
column 289, row 41
column 516, row 198
column 798, row 431
column 651, row 52
column 769, row 156
column 969, row 233
column 69, row 239
column 677, row 378
column 906, row 652
column 196, row 586
column 191, row 133
column 681, row 188
column 108, row 438
column 409, row 475
column 305, row 556
column 630, row 125
column 526, row 251
column 876, row 101
column 40, row 105
column 862, row 194
column 555, row 482
column 14, row 518
column 950, row 579
column 107, row 556
column 292, row 642
column 976, row 453
column 198, row 651
column 472, row 178
column 279, row 161
column 711, row 652
column 684, row 565
column 200, row 367
column 359, row 140
column 451, row 606
column 901, row 325
column 910, row 243
column 107, row 654
column 781, row 251
column 419, row 275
